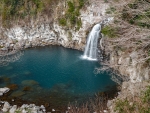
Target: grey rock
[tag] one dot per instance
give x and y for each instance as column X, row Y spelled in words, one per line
column 109, row 103
column 4, row 90
column 13, row 109
column 6, row 107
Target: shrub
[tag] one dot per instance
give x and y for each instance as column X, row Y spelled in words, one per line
column 72, row 14
column 110, row 10
column 79, row 24
column 72, row 19
column 71, row 7
column 134, row 14
column 62, row 21
column 109, row 31
column 81, row 3
column 138, row 105
column 123, row 105
column 146, row 96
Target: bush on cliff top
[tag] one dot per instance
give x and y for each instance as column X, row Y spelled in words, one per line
column 134, row 105
column 110, row 31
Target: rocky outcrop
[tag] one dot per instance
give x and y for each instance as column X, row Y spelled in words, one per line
column 128, row 91
column 130, row 65
column 3, row 90
column 41, row 32
column 25, row 108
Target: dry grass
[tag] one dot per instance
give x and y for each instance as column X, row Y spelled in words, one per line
column 96, row 105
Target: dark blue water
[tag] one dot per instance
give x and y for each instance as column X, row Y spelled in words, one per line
column 53, row 73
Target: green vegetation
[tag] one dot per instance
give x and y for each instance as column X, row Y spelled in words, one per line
column 110, row 31
column 136, row 105
column 148, row 60
column 14, row 10
column 134, row 14
column 71, row 17
column 106, row 1
column 121, row 106
column 11, row 10
column 146, row 96
column 110, row 10
column 62, row 21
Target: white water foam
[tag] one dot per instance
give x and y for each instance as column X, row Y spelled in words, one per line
column 90, row 52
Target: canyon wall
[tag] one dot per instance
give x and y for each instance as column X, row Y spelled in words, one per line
column 47, row 31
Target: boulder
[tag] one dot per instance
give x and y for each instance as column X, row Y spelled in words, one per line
column 13, row 109
column 6, row 107
column 3, row 90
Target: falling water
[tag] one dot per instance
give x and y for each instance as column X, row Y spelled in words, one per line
column 90, row 52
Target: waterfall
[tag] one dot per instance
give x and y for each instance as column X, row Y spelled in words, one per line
column 90, row 52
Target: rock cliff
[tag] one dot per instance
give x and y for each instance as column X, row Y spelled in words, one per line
column 46, row 31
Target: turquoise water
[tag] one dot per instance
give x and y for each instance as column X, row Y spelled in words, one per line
column 55, row 75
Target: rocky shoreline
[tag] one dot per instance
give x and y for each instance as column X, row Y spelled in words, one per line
column 23, row 109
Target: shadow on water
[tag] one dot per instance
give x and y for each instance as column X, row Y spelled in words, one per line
column 53, row 76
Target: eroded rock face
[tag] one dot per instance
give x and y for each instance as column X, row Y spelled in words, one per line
column 128, row 91
column 46, row 32
column 129, row 65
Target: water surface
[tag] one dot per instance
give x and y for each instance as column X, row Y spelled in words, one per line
column 53, row 75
